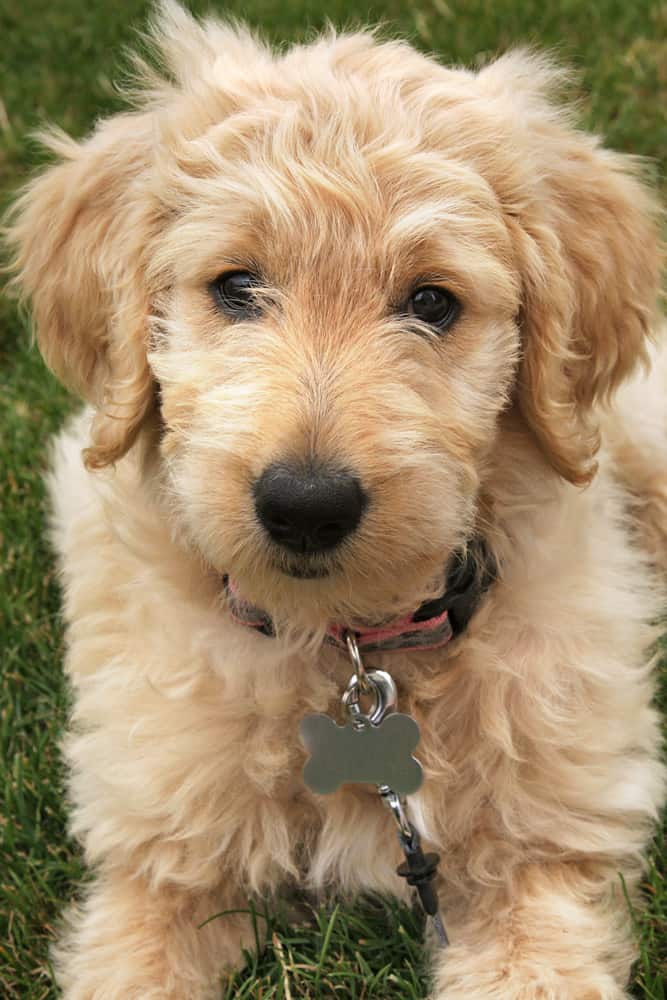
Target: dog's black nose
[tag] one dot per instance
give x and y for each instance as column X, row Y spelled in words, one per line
column 306, row 508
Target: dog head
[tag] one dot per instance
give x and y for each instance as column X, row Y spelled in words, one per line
column 332, row 271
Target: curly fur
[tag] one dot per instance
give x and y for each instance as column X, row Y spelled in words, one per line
column 346, row 171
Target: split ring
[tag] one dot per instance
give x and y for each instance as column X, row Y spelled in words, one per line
column 382, row 691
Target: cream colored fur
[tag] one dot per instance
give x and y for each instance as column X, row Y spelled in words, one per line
column 347, row 171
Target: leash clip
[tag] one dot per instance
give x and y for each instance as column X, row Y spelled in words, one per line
column 419, row 869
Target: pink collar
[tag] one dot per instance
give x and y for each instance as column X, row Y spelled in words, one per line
column 410, row 632
column 435, row 623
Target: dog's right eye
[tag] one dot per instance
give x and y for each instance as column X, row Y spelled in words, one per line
column 235, row 293
column 434, row 306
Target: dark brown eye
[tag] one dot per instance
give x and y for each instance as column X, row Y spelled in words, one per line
column 235, row 293
column 434, row 306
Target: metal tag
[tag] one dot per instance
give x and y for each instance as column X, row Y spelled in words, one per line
column 361, row 753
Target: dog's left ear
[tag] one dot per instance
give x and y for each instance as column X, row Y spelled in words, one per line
column 585, row 229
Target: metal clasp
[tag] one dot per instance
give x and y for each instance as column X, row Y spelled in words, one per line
column 394, row 804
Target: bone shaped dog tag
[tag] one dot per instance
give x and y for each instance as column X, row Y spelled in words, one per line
column 374, row 754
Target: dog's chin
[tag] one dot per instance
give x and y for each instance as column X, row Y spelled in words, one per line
column 315, row 590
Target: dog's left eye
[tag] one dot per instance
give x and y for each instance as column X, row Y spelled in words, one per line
column 235, row 293
column 434, row 306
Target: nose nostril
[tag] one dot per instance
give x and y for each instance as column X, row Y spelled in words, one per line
column 281, row 523
column 333, row 529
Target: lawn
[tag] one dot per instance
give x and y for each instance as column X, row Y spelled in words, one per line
column 56, row 63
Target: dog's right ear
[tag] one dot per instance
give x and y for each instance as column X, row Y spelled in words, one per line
column 79, row 232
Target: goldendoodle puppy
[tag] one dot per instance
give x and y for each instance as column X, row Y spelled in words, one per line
column 366, row 343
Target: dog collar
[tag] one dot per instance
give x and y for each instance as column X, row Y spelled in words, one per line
column 436, row 622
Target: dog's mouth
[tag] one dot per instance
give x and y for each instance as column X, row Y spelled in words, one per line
column 306, row 572
column 304, row 569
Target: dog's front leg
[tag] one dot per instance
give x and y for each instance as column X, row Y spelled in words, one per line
column 129, row 941
column 560, row 933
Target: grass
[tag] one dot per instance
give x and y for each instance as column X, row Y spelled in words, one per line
column 56, row 61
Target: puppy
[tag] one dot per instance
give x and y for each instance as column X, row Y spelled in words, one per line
column 361, row 337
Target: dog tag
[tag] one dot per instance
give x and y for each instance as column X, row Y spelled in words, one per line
column 361, row 753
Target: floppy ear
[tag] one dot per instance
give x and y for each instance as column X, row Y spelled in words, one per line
column 82, row 232
column 79, row 231
column 585, row 229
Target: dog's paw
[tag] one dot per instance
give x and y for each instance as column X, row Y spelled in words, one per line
column 95, row 987
column 107, row 991
column 466, row 975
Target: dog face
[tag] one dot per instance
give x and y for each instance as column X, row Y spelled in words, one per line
column 335, row 270
column 315, row 426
